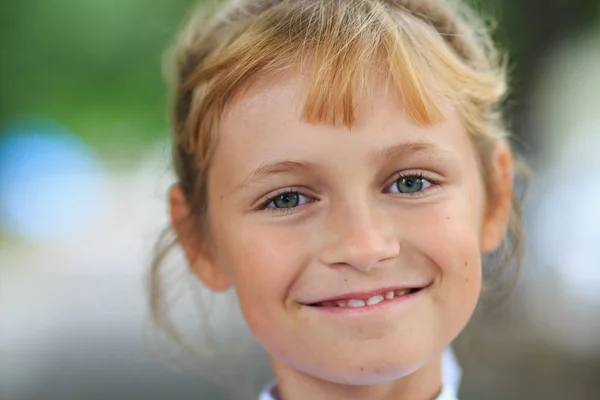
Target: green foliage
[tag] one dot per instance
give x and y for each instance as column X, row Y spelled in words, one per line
column 94, row 66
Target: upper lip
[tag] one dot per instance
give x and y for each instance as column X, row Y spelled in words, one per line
column 367, row 294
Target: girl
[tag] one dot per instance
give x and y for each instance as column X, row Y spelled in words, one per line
column 343, row 164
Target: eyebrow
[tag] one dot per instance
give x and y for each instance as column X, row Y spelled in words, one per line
column 401, row 150
column 405, row 149
column 264, row 170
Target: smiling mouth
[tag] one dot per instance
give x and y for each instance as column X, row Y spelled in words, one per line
column 367, row 301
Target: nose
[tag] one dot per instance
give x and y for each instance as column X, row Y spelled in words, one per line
column 359, row 236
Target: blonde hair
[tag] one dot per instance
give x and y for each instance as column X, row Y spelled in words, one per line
column 420, row 44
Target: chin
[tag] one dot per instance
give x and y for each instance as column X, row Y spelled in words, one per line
column 369, row 376
column 372, row 370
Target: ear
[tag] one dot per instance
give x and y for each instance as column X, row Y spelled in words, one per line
column 499, row 204
column 195, row 243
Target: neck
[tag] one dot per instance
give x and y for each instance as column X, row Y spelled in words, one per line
column 423, row 384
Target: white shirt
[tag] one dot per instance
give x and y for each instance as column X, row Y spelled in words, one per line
column 451, row 375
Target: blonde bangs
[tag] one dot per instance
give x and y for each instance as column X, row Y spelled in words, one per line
column 343, row 44
column 345, row 60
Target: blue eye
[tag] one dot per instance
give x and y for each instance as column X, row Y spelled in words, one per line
column 409, row 184
column 287, row 200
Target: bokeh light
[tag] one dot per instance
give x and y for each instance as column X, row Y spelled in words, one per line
column 51, row 182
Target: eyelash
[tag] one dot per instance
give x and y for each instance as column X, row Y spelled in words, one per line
column 419, row 175
column 270, row 199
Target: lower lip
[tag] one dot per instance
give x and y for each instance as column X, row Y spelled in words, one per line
column 383, row 306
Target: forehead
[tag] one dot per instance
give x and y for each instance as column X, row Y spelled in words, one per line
column 271, row 108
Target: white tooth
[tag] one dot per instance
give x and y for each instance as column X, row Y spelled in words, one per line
column 374, row 300
column 389, row 295
column 402, row 292
column 356, row 303
column 341, row 303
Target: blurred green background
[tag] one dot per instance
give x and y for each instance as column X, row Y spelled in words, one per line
column 94, row 66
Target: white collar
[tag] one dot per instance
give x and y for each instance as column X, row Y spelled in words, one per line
column 451, row 375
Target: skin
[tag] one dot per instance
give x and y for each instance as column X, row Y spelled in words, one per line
column 352, row 231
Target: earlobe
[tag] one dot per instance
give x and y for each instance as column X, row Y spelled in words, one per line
column 194, row 244
column 179, row 213
column 212, row 276
column 499, row 204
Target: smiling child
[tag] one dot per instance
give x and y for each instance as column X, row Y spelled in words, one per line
column 344, row 166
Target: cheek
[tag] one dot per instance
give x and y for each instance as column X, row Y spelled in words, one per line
column 264, row 263
column 450, row 227
column 454, row 240
column 458, row 257
column 448, row 235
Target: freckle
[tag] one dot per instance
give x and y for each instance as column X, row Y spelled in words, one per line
column 362, row 369
column 466, row 263
column 345, row 280
column 447, row 217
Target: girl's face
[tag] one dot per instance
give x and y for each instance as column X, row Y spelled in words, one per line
column 311, row 222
